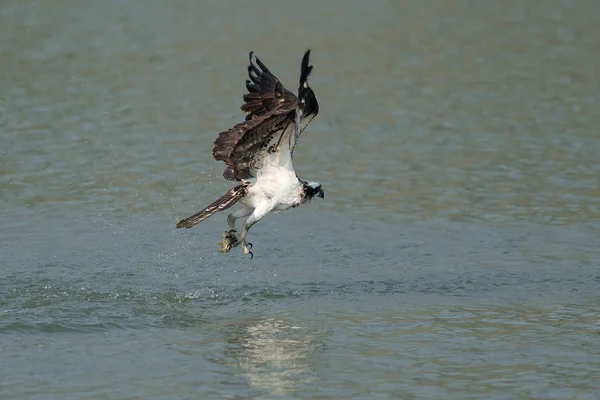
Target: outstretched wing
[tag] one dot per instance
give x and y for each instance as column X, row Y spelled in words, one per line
column 265, row 92
column 308, row 105
column 270, row 109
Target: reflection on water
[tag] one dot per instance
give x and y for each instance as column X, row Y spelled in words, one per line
column 275, row 355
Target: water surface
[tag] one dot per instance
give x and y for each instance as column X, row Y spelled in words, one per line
column 455, row 255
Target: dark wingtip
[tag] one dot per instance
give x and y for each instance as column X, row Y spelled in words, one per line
column 250, row 67
column 305, row 69
column 182, row 224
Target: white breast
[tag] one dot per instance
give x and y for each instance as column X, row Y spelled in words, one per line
column 276, row 181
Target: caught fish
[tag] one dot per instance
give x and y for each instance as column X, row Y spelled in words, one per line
column 228, row 240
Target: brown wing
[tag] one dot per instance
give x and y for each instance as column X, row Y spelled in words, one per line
column 270, row 108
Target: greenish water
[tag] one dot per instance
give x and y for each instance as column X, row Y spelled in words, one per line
column 456, row 254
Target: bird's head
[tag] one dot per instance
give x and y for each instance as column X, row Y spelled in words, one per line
column 312, row 189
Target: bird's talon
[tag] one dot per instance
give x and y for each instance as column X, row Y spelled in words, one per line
column 247, row 247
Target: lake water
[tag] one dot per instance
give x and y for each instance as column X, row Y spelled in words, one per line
column 456, row 254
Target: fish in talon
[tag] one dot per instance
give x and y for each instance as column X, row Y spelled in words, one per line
column 227, row 242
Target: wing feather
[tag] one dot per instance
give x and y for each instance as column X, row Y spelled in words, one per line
column 265, row 92
column 269, row 107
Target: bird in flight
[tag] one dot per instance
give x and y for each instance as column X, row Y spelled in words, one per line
column 258, row 153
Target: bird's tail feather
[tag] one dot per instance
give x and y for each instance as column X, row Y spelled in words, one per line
column 223, row 203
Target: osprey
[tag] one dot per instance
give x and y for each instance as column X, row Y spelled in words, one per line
column 258, row 153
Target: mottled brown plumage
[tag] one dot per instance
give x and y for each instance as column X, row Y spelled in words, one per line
column 271, row 108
